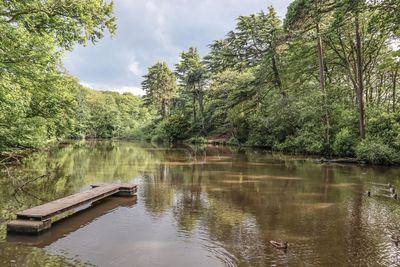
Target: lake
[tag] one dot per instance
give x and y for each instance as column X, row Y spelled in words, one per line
column 202, row 206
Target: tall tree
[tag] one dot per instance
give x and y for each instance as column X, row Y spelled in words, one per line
column 160, row 85
column 192, row 76
column 304, row 16
column 254, row 41
column 358, row 41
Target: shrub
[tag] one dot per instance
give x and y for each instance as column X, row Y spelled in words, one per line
column 171, row 129
column 384, row 126
column 159, row 134
column 344, row 143
column 307, row 140
column 375, row 152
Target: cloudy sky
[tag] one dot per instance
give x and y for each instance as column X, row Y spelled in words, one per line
column 157, row 30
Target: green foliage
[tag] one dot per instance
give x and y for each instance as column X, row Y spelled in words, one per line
column 385, row 126
column 68, row 21
column 344, row 143
column 192, row 75
column 160, row 86
column 376, row 152
column 176, row 127
column 294, row 88
column 39, row 102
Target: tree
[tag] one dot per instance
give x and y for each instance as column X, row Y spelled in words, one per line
column 358, row 42
column 304, row 16
column 254, row 41
column 160, row 86
column 192, row 76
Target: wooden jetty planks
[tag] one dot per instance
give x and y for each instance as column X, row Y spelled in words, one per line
column 64, row 204
column 40, row 218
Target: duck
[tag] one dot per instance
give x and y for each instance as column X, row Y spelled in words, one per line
column 395, row 238
column 368, row 193
column 279, row 244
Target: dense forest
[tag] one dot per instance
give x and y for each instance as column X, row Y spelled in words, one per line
column 323, row 80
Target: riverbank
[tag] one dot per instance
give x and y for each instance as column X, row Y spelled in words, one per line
column 369, row 154
column 379, row 158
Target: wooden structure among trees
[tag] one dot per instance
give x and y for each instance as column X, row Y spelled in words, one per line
column 40, row 218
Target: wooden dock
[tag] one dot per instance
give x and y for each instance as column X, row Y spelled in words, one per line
column 40, row 218
column 71, row 224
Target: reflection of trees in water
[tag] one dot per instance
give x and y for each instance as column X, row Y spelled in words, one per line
column 157, row 192
column 242, row 217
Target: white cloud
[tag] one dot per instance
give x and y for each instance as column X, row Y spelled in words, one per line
column 120, row 89
column 132, row 89
column 135, row 69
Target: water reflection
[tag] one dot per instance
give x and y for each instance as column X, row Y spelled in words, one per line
column 205, row 206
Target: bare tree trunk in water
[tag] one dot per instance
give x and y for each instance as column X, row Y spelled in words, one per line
column 360, row 78
column 322, row 85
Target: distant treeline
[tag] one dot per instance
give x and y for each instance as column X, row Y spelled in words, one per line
column 66, row 111
column 322, row 81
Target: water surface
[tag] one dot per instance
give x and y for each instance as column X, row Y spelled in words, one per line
column 202, row 206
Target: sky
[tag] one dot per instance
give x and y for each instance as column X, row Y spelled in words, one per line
column 151, row 31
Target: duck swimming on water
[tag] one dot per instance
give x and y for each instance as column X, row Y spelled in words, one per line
column 279, row 244
column 395, row 238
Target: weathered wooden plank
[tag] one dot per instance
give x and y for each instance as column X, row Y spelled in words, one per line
column 29, row 227
column 64, row 204
column 125, row 190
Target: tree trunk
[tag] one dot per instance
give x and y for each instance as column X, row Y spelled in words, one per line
column 194, row 108
column 394, row 87
column 360, row 79
column 201, row 104
column 163, row 109
column 166, row 108
column 322, row 85
column 277, row 77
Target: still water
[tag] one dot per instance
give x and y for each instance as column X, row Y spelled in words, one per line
column 202, row 206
